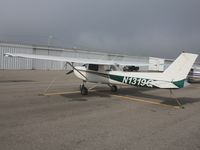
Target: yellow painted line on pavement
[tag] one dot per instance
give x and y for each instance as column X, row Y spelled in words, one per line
column 61, row 93
column 144, row 101
column 118, row 96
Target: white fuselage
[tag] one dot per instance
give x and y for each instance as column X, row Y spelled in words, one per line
column 143, row 79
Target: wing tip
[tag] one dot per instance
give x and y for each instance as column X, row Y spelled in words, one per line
column 7, row 55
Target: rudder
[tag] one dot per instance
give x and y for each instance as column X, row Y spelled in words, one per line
column 180, row 68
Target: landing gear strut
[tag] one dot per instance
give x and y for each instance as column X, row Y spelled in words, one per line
column 177, row 100
column 83, row 89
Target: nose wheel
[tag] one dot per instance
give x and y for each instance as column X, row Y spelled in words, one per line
column 83, row 90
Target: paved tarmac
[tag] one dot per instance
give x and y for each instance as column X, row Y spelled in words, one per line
column 133, row 118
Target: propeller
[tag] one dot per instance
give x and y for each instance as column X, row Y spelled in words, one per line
column 69, row 72
column 72, row 65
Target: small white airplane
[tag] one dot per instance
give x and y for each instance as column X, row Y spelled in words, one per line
column 108, row 72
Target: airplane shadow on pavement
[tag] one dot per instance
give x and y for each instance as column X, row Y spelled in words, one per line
column 159, row 95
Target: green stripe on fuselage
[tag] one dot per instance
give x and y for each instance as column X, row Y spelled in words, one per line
column 116, row 78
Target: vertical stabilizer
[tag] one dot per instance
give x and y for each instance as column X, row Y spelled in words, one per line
column 180, row 68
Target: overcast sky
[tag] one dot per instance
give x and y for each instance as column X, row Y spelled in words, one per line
column 160, row 28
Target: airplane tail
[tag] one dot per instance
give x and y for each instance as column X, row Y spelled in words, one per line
column 177, row 72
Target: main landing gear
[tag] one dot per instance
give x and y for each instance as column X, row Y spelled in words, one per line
column 113, row 88
column 83, row 89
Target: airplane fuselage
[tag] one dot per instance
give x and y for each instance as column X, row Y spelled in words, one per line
column 121, row 78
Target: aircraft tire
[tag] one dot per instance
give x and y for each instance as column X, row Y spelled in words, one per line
column 114, row 88
column 84, row 91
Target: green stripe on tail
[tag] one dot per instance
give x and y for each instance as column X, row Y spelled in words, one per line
column 180, row 83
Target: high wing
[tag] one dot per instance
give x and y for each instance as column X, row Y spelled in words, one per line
column 76, row 60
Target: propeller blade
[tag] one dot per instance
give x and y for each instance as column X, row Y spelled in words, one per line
column 69, row 72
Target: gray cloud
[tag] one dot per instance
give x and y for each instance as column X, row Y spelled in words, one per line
column 137, row 27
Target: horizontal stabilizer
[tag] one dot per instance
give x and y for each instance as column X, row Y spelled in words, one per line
column 170, row 85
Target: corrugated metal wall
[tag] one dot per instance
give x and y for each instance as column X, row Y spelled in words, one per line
column 21, row 63
column 15, row 63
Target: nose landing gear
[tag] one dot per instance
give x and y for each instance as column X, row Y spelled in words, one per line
column 83, row 90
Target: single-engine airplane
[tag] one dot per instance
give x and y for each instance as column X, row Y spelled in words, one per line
column 108, row 72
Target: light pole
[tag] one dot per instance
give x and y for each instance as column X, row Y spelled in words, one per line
column 48, row 50
column 50, row 40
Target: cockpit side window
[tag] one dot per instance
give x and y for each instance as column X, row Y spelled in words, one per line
column 93, row 67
